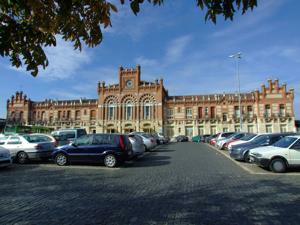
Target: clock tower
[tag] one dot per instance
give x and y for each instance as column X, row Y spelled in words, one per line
column 129, row 79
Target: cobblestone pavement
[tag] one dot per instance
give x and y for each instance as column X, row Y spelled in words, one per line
column 181, row 183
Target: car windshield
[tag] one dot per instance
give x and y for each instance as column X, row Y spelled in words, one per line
column 248, row 137
column 285, row 142
column 259, row 139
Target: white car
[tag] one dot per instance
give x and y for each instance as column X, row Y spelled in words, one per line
column 5, row 158
column 29, row 146
column 247, row 138
column 279, row 156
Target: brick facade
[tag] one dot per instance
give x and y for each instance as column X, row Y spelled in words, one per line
column 137, row 105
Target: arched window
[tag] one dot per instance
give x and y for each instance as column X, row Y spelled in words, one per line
column 77, row 115
column 128, row 110
column 93, row 114
column 147, row 110
column 111, row 111
column 21, row 115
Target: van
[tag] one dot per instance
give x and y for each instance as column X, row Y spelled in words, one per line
column 66, row 136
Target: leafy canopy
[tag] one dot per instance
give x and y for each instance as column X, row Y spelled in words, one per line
column 27, row 26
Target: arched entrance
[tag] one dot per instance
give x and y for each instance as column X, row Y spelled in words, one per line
column 128, row 128
column 147, row 128
column 111, row 129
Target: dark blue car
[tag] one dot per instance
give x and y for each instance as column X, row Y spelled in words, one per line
column 111, row 149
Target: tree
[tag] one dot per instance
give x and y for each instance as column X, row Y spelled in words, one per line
column 27, row 26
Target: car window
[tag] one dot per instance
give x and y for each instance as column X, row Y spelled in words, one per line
column 260, row 139
column 285, row 142
column 14, row 141
column 275, row 139
column 83, row 140
column 296, row 146
column 37, row 138
column 248, row 137
column 68, row 134
column 81, row 132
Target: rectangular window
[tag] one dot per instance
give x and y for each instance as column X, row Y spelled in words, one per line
column 200, row 114
column 250, row 111
column 206, row 111
column 170, row 113
column 212, row 112
column 250, row 129
column 225, row 129
column 267, row 111
column 237, row 128
column 283, row 128
column 189, row 113
column 201, row 130
column 224, row 116
column 269, row 128
column 77, row 115
column 213, row 130
column 237, row 111
column 179, row 110
column 189, row 131
column 281, row 110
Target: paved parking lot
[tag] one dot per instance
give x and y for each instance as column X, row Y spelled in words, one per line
column 181, row 183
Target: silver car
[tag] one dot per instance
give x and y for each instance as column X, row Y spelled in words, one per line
column 149, row 142
column 137, row 143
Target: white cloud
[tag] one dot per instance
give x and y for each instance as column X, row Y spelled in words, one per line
column 64, row 61
column 176, row 49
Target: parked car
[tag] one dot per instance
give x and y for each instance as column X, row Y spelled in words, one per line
column 28, row 147
column 279, row 156
column 223, row 135
column 156, row 138
column 5, row 157
column 232, row 139
column 246, row 138
column 196, row 138
column 213, row 139
column 66, row 136
column 182, row 138
column 111, row 149
column 162, row 138
column 148, row 140
column 137, row 143
column 241, row 151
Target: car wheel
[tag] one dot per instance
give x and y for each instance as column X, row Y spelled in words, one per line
column 247, row 157
column 110, row 161
column 61, row 159
column 22, row 157
column 278, row 165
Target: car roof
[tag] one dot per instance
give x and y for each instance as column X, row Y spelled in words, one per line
column 296, row 136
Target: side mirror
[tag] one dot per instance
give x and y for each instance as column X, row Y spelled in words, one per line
column 74, row 144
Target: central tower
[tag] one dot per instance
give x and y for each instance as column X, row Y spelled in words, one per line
column 129, row 79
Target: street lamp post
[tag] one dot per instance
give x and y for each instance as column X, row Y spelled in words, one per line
column 237, row 57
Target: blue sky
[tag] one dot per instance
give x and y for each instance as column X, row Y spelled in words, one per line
column 173, row 42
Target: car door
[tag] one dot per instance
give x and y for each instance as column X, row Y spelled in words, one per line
column 99, row 146
column 295, row 153
column 14, row 145
column 80, row 149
